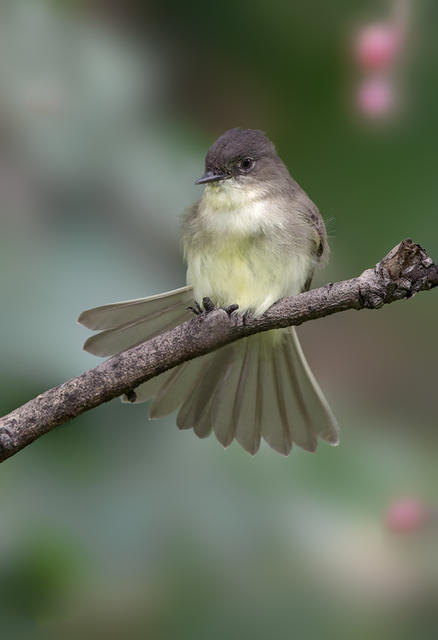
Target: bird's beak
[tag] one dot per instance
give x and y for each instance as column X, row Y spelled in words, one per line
column 210, row 176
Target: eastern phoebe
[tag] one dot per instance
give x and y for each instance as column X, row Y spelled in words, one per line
column 253, row 237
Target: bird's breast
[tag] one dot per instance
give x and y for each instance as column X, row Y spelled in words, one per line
column 250, row 271
column 238, row 251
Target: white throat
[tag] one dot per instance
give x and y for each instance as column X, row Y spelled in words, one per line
column 230, row 208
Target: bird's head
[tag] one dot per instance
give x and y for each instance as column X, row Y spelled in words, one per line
column 245, row 157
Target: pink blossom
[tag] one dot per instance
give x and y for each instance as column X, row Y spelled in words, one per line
column 377, row 46
column 406, row 514
column 375, row 97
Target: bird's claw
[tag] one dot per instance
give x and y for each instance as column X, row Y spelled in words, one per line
column 208, row 306
column 231, row 308
column 197, row 309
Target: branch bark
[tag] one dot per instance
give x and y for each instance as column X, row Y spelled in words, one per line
column 406, row 270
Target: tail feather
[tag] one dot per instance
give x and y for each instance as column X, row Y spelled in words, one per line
column 322, row 420
column 112, row 341
column 275, row 430
column 177, row 388
column 227, row 410
column 111, row 316
column 248, row 429
column 198, row 409
column 298, row 416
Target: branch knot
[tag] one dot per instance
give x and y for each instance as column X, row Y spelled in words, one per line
column 406, row 270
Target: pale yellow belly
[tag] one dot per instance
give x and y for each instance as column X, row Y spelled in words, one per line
column 251, row 274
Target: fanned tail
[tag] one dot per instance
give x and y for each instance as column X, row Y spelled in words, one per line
column 258, row 387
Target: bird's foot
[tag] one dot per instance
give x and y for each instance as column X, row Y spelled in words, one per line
column 231, row 308
column 131, row 396
column 208, row 306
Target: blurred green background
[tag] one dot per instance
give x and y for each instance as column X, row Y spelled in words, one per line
column 112, row 526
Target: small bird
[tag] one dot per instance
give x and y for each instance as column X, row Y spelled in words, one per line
column 253, row 237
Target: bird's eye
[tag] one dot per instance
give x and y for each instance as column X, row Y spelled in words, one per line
column 246, row 164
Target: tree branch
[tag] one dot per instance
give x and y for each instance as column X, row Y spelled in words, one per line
column 406, row 270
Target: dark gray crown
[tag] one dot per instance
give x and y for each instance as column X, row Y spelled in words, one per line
column 237, row 144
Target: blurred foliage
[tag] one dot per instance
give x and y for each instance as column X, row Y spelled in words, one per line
column 113, row 526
